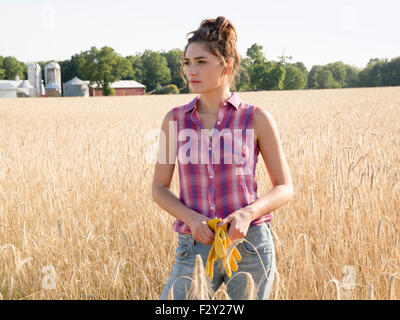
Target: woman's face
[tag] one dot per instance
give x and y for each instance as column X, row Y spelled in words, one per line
column 200, row 65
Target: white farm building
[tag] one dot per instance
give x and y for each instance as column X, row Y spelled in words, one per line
column 15, row 88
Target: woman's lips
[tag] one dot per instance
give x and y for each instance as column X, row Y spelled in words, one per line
column 194, row 81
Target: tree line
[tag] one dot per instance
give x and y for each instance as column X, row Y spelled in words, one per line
column 160, row 72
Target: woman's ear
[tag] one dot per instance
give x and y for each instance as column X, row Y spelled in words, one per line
column 229, row 63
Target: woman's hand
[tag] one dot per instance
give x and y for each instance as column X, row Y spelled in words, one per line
column 201, row 232
column 239, row 221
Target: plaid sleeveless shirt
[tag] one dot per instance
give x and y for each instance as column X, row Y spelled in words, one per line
column 217, row 167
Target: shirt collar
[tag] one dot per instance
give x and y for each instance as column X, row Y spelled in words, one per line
column 233, row 100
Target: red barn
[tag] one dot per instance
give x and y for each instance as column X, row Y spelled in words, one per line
column 122, row 88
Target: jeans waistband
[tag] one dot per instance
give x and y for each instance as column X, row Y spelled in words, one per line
column 189, row 237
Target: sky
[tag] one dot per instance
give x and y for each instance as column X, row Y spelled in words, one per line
column 313, row 32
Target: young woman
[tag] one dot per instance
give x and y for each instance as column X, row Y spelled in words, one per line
column 223, row 137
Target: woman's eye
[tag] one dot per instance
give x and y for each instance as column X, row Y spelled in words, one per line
column 186, row 62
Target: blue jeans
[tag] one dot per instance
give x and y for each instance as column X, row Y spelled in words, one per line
column 251, row 263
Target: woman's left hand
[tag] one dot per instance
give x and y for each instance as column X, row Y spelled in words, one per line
column 240, row 221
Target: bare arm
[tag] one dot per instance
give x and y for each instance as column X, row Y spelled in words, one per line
column 271, row 150
column 165, row 198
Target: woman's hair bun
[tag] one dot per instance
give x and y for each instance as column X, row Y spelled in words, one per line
column 221, row 28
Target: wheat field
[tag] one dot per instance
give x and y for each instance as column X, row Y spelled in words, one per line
column 77, row 220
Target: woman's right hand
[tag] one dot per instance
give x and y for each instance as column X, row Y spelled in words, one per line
column 201, row 232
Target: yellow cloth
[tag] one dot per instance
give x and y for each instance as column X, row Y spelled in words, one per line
column 220, row 248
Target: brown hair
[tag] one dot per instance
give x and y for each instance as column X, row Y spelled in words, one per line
column 219, row 37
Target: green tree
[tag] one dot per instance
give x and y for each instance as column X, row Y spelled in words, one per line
column 70, row 68
column 159, row 89
column 275, row 76
column 263, row 74
column 343, row 76
column 258, row 72
column 103, row 67
column 139, row 73
column 302, row 67
column 255, row 54
column 394, row 70
column 156, row 70
column 295, row 78
column 243, row 78
column 338, row 71
column 256, row 66
column 174, row 58
column 25, row 70
column 371, row 75
column 351, row 76
column 2, row 71
column 13, row 68
column 325, row 79
column 313, row 77
column 387, row 71
column 267, row 76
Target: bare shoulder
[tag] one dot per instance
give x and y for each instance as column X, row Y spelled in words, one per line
column 169, row 116
column 262, row 115
column 263, row 122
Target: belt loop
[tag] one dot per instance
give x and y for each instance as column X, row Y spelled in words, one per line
column 191, row 241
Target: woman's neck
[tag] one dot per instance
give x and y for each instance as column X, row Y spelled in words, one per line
column 210, row 102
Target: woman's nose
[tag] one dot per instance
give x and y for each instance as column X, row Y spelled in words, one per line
column 192, row 72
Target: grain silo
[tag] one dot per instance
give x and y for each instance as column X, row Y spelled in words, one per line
column 75, row 88
column 52, row 76
column 35, row 79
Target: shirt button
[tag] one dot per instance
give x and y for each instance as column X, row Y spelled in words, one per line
column 209, row 148
column 211, row 177
column 218, row 122
column 212, row 207
column 224, row 103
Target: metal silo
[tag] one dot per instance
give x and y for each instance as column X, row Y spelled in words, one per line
column 75, row 88
column 52, row 74
column 35, row 79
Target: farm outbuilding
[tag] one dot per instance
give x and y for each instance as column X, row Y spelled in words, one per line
column 15, row 88
column 75, row 88
column 24, row 89
column 8, row 88
column 122, row 88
